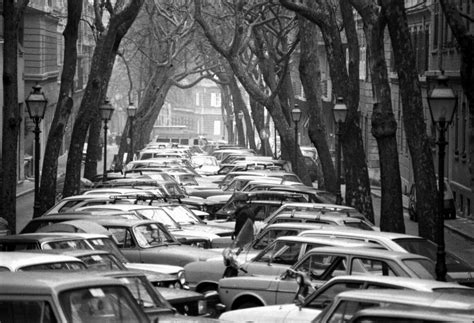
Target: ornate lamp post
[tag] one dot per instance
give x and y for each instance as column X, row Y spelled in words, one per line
column 442, row 102
column 131, row 112
column 296, row 117
column 36, row 103
column 340, row 113
column 106, row 110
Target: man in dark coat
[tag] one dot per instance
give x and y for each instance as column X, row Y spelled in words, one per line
column 243, row 212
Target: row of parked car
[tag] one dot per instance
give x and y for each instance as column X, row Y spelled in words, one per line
column 150, row 247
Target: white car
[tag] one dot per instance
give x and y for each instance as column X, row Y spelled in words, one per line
column 312, row 306
column 320, row 265
column 458, row 269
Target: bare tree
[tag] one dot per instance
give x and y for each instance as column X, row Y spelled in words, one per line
column 384, row 126
column 242, row 32
column 345, row 80
column 12, row 17
column 121, row 18
column 413, row 119
column 47, row 193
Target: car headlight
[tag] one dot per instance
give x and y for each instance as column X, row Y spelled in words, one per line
column 182, row 278
column 202, row 307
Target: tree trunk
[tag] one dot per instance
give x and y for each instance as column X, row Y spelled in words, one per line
column 258, row 117
column 94, row 149
column 310, row 75
column 12, row 16
column 47, row 193
column 101, row 68
column 413, row 118
column 384, row 126
column 239, row 105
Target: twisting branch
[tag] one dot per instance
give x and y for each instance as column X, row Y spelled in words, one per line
column 129, row 74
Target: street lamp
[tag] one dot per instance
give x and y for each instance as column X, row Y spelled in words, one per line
column 340, row 113
column 131, row 112
column 106, row 110
column 296, row 116
column 442, row 102
column 36, row 103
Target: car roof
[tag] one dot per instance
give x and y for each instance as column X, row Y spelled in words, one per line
column 329, row 216
column 406, row 282
column 18, row 259
column 431, row 299
column 43, row 283
column 344, row 243
column 76, row 252
column 415, row 314
column 363, row 233
column 366, row 252
column 40, row 237
column 318, row 206
column 125, row 222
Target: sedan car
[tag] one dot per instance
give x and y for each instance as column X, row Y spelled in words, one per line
column 320, row 265
column 273, row 260
column 458, row 269
column 66, row 297
column 313, row 304
column 150, row 242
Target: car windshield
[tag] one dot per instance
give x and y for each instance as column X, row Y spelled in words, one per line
column 161, row 216
column 102, row 262
column 428, row 249
column 150, row 235
column 100, row 304
column 422, row 268
column 143, row 293
column 282, row 252
column 63, row 265
column 181, row 214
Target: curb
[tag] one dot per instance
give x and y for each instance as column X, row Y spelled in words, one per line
column 25, row 192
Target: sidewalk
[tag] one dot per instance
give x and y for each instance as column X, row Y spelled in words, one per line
column 461, row 225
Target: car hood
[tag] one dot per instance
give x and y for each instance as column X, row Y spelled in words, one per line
column 199, row 271
column 174, row 295
column 273, row 313
column 211, row 229
column 156, row 268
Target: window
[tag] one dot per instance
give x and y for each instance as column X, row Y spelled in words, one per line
column 26, row 311
column 323, row 266
column 326, row 296
column 346, row 309
column 197, row 99
column 215, row 99
column 123, row 237
column 270, row 236
column 371, row 266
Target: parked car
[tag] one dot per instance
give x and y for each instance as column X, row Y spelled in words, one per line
column 320, row 265
column 449, row 206
column 150, row 242
column 458, row 269
column 409, row 314
column 66, row 297
column 348, row 303
column 273, row 260
column 316, row 208
column 311, row 306
column 31, row 261
column 179, row 220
